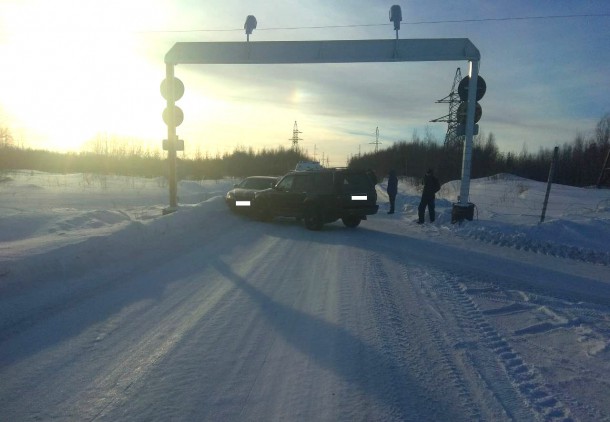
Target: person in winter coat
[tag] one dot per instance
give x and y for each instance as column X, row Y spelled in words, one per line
column 431, row 186
column 392, row 190
column 371, row 174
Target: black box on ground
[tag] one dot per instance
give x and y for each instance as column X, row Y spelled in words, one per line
column 461, row 212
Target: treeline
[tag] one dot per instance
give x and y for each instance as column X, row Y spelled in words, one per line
column 239, row 163
column 579, row 162
column 15, row 158
column 242, row 162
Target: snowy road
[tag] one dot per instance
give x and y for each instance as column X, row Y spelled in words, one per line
column 241, row 320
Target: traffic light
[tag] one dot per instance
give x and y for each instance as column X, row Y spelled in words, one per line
column 175, row 94
column 463, row 107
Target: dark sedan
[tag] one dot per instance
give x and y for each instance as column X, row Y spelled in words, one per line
column 242, row 195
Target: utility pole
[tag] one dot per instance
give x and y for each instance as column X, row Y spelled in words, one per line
column 549, row 182
column 604, row 175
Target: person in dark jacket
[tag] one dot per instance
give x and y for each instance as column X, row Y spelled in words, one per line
column 392, row 190
column 431, row 186
column 371, row 174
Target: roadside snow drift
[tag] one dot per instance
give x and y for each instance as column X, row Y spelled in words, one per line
column 111, row 311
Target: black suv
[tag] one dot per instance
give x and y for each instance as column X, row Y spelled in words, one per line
column 319, row 197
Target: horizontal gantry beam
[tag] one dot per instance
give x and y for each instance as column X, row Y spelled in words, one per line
column 351, row 51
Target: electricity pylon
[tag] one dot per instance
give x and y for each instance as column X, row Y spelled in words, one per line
column 376, row 143
column 452, row 138
column 295, row 137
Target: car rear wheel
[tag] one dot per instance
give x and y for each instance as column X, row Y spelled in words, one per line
column 351, row 222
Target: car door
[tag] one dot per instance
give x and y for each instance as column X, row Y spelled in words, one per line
column 278, row 196
column 287, row 195
column 301, row 185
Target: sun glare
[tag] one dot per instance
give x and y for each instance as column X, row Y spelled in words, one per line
column 65, row 84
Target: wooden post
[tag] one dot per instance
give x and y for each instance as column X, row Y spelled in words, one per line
column 605, row 169
column 550, row 181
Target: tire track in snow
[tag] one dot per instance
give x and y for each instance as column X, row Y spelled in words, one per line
column 525, row 379
column 412, row 349
column 542, row 316
column 390, row 334
column 451, row 368
column 440, row 326
column 521, row 241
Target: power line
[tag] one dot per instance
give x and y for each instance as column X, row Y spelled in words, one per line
column 289, row 28
column 292, row 28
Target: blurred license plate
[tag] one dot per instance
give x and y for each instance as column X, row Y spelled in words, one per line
column 359, row 198
column 242, row 203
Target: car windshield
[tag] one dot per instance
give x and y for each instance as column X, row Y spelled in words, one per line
column 286, row 183
column 257, row 183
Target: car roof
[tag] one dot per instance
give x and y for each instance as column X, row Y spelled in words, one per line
column 326, row 170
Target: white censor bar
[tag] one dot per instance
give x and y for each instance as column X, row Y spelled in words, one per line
column 242, row 203
column 359, row 197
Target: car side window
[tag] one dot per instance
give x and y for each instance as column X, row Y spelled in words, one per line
column 324, row 183
column 302, row 184
column 354, row 183
column 286, row 183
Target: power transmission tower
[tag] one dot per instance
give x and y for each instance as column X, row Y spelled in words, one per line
column 295, row 137
column 453, row 99
column 376, row 143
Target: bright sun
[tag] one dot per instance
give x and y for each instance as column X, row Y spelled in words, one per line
column 75, row 75
column 78, row 72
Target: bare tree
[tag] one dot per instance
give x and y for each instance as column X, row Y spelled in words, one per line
column 6, row 138
column 602, row 131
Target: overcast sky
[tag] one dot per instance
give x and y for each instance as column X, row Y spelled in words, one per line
column 76, row 70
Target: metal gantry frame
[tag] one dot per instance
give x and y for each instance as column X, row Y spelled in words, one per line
column 335, row 51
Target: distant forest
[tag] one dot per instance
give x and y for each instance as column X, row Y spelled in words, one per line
column 579, row 163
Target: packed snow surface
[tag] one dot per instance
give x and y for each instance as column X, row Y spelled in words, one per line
column 110, row 310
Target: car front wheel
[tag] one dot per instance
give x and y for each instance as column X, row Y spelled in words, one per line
column 261, row 213
column 313, row 220
column 351, row 222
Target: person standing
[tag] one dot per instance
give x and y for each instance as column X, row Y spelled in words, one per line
column 431, row 186
column 392, row 190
